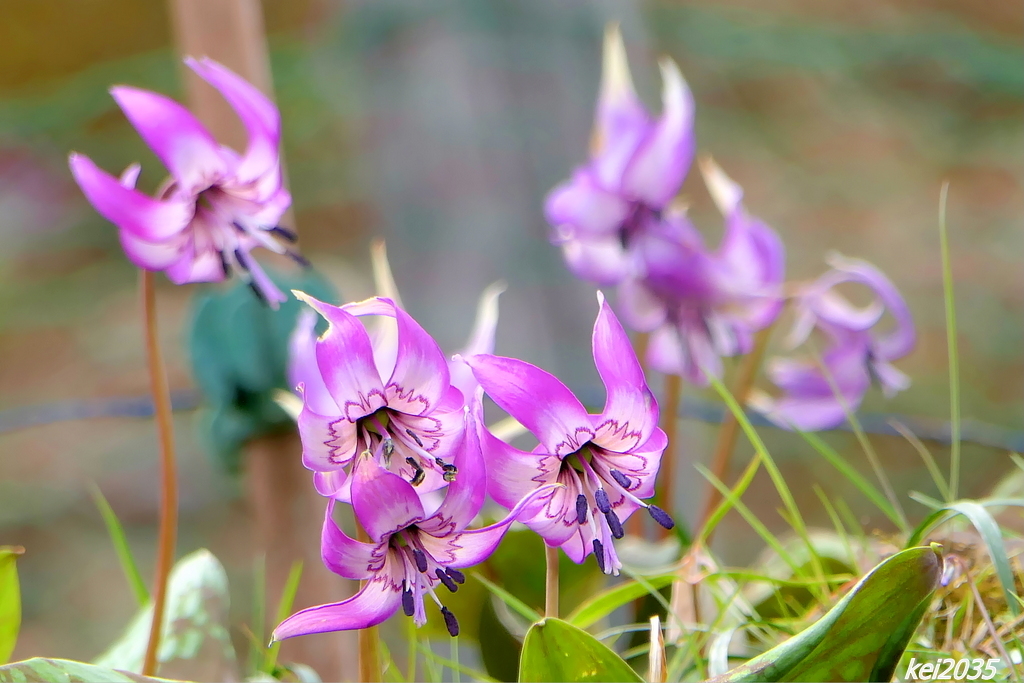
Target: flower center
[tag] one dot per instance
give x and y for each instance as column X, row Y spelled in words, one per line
column 402, row 450
column 422, row 574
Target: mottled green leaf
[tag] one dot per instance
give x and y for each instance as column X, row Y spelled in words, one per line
column 39, row 670
column 555, row 650
column 863, row 636
column 195, row 642
column 10, row 600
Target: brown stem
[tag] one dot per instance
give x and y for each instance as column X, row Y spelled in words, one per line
column 669, row 422
column 730, row 427
column 551, row 581
column 168, row 471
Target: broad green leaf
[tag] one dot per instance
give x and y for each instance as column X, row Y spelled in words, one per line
column 988, row 529
column 10, row 600
column 120, row 541
column 555, row 650
column 39, row 670
column 195, row 642
column 863, row 636
column 604, row 603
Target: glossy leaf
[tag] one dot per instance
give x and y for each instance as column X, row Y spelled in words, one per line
column 195, row 642
column 555, row 650
column 40, row 670
column 10, row 600
column 863, row 637
column 604, row 603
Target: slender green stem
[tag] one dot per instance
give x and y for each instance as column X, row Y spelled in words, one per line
column 456, row 668
column 729, row 430
column 551, row 582
column 954, row 358
column 168, row 470
column 412, row 634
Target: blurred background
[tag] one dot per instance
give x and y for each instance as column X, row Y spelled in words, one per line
column 440, row 126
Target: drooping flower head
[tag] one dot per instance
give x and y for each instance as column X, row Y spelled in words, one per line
column 817, row 393
column 389, row 393
column 637, row 165
column 217, row 205
column 412, row 551
column 607, row 463
column 702, row 305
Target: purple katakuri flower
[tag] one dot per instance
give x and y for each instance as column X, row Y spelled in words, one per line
column 816, row 395
column 607, row 463
column 701, row 305
column 636, row 167
column 388, row 393
column 412, row 551
column 217, row 206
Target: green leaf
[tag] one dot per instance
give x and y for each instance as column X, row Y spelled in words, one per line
column 988, row 529
column 195, row 642
column 120, row 541
column 604, row 603
column 863, row 637
column 555, row 650
column 239, row 352
column 512, row 601
column 10, row 600
column 40, row 670
column 284, row 608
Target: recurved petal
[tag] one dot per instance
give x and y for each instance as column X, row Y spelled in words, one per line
column 151, row 255
column 303, row 368
column 630, row 411
column 344, row 555
column 374, row 603
column 900, row 341
column 481, row 339
column 601, row 260
column 132, row 211
column 513, row 474
column 176, row 136
column 465, row 495
column 258, row 114
column 345, row 358
column 656, row 172
column 383, row 502
column 641, row 308
column 328, row 442
column 537, row 399
column 587, row 208
column 420, row 379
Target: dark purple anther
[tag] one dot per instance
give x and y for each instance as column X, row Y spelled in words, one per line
column 285, row 233
column 661, row 517
column 457, row 576
column 421, row 559
column 240, row 257
column 601, row 498
column 446, row 580
column 620, row 479
column 299, row 258
column 408, row 606
column 581, row 508
column 450, row 621
column 615, row 524
column 599, row 554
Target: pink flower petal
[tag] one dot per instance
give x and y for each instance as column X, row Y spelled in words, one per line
column 384, row 503
column 176, row 136
column 420, row 378
column 346, row 556
column 586, row 208
column 373, row 604
column 144, row 217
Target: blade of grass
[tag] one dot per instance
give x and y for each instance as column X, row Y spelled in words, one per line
column 838, row 524
column 435, row 659
column 284, row 608
column 926, row 456
column 997, row 641
column 120, row 541
column 852, row 475
column 773, row 471
column 725, row 505
column 951, row 344
column 512, row 601
column 988, row 529
column 597, row 607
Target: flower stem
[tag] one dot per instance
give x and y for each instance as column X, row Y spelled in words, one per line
column 669, row 422
column 551, row 582
column 168, row 470
column 729, row 430
column 369, row 638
